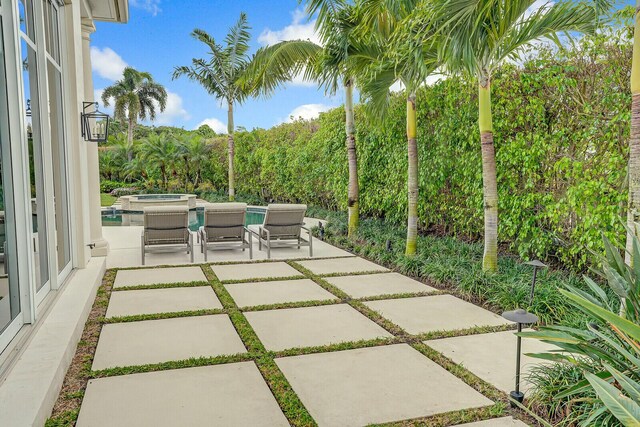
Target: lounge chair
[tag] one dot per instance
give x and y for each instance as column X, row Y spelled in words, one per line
column 166, row 226
column 224, row 228
column 282, row 227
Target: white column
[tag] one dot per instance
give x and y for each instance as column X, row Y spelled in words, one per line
column 101, row 247
column 73, row 71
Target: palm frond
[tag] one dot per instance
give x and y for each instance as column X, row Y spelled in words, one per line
column 272, row 66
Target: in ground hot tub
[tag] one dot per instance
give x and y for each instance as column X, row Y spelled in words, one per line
column 139, row 201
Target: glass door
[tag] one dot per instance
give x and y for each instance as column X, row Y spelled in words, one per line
column 10, row 304
column 35, row 141
column 52, row 19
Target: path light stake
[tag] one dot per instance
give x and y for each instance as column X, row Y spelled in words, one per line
column 536, row 265
column 521, row 317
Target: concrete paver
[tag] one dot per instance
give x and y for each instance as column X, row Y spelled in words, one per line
column 155, row 341
column 492, row 357
column 225, row 395
column 153, row 301
column 260, row 270
column 312, row 326
column 158, row 276
column 375, row 385
column 340, row 266
column 435, row 313
column 370, row 285
column 496, row 422
column 276, row 292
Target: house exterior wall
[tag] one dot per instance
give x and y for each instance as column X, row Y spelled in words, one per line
column 50, row 225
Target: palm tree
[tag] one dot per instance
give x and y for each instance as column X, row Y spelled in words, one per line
column 161, row 151
column 330, row 64
column 136, row 169
column 633, row 214
column 477, row 36
column 134, row 96
column 411, row 64
column 194, row 151
column 220, row 75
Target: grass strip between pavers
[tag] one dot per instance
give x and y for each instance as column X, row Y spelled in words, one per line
column 159, row 316
column 351, row 273
column 161, row 286
column 173, row 364
column 288, row 400
column 296, row 304
column 452, row 418
column 261, row 279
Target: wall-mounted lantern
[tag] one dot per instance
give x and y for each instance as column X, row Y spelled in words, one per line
column 95, row 124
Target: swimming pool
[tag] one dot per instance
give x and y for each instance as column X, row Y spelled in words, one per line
column 119, row 218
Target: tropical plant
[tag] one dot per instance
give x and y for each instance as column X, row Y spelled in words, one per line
column 607, row 348
column 476, row 36
column 160, row 150
column 221, row 74
column 408, row 63
column 194, row 151
column 633, row 215
column 331, row 64
column 134, row 97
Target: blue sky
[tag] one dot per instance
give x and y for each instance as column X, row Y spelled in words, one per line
column 157, row 38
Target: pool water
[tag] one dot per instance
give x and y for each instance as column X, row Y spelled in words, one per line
column 117, row 218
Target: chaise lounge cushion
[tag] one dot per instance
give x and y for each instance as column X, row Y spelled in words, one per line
column 166, row 224
column 224, row 221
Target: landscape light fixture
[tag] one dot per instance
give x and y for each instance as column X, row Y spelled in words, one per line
column 522, row 317
column 95, row 124
column 536, row 266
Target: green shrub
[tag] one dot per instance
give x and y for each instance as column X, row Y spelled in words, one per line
column 107, row 186
column 561, row 132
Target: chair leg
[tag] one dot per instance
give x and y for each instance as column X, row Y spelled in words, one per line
column 268, row 242
column 250, row 246
column 310, row 245
column 142, row 247
column 191, row 246
column 298, row 242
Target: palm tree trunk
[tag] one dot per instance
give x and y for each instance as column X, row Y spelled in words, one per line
column 633, row 213
column 163, row 172
column 489, row 177
column 412, row 181
column 352, row 156
column 130, row 139
column 230, row 127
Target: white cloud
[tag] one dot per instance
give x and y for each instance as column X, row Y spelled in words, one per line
column 537, row 5
column 107, row 63
column 307, row 111
column 214, row 124
column 297, row 30
column 151, row 6
column 173, row 111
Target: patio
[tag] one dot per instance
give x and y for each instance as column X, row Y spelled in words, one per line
column 332, row 341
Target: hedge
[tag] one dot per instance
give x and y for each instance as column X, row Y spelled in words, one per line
column 561, row 123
